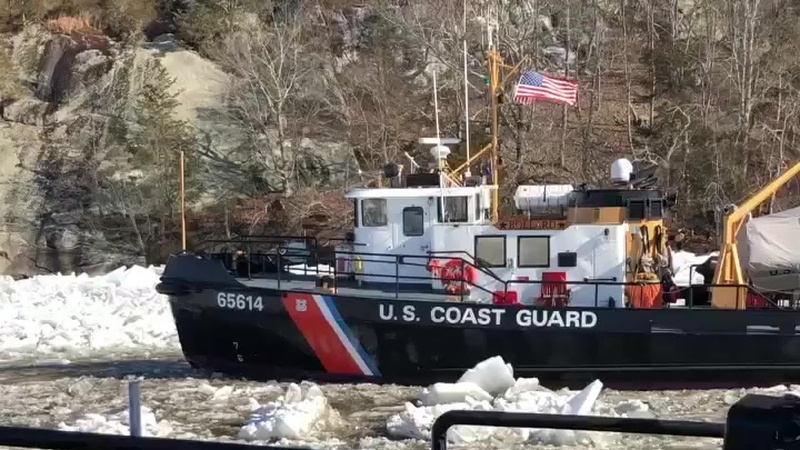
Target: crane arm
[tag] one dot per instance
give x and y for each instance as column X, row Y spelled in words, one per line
column 729, row 268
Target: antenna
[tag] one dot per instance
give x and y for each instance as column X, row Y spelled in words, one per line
column 467, row 172
column 439, row 149
column 441, row 155
column 182, row 174
column 490, row 23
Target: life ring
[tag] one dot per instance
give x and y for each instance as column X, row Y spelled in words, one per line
column 455, row 282
column 434, row 266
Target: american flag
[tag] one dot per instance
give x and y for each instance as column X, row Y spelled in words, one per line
column 535, row 86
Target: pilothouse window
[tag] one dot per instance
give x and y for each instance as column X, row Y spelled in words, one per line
column 491, row 250
column 373, row 212
column 533, row 251
column 455, row 209
column 413, row 221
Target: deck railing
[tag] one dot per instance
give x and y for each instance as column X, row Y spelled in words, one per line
column 277, row 254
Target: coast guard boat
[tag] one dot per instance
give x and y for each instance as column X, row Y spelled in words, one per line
column 575, row 285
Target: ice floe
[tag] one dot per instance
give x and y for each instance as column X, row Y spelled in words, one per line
column 491, row 385
column 119, row 423
column 77, row 315
column 300, row 412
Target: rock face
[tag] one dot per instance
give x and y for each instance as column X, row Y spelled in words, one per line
column 62, row 67
column 28, row 111
column 67, row 64
column 199, row 83
column 57, row 66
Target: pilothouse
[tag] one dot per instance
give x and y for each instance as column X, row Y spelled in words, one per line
column 430, row 219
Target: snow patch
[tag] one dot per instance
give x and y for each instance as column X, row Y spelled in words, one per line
column 490, row 385
column 78, row 315
column 298, row 414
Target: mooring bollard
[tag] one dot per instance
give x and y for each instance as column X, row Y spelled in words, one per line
column 135, row 407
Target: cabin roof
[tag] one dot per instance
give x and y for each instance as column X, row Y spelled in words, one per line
column 414, row 192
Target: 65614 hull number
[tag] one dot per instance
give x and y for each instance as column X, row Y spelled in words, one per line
column 241, row 302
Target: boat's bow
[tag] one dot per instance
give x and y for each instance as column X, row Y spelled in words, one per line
column 187, row 272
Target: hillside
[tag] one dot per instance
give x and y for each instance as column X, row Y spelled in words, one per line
column 280, row 106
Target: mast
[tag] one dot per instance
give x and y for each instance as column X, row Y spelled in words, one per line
column 467, row 172
column 496, row 65
column 495, row 60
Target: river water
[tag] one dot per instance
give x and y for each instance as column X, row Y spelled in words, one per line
column 46, row 394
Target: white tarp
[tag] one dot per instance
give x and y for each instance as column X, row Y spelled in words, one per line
column 769, row 248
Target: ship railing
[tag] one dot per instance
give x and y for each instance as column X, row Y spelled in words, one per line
column 399, row 260
column 254, row 247
column 752, row 292
column 399, row 281
column 278, row 254
column 597, row 283
column 475, row 262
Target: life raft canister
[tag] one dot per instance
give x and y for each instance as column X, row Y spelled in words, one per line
column 454, row 280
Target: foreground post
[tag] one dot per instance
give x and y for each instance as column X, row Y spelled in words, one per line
column 135, row 407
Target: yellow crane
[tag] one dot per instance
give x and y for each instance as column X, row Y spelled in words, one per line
column 728, row 276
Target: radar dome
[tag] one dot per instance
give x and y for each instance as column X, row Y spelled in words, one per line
column 621, row 171
column 440, row 152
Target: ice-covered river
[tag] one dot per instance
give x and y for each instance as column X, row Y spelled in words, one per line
column 67, row 343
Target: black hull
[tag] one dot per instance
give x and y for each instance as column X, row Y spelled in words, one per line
column 295, row 335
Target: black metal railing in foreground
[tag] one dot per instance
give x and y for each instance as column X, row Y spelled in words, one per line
column 756, row 422
column 569, row 422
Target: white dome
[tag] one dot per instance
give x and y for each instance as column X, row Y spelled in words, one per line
column 440, row 152
column 621, row 171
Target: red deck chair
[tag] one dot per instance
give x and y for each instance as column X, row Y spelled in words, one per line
column 554, row 290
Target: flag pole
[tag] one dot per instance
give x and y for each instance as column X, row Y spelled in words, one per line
column 494, row 82
column 183, row 202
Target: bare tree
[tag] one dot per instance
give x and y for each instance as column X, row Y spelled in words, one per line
column 269, row 65
column 744, row 33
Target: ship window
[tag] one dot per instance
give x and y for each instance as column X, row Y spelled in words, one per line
column 373, row 212
column 477, row 207
column 455, row 209
column 533, row 251
column 567, row 259
column 355, row 213
column 491, row 250
column 413, row 221
column 656, row 209
column 636, row 210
